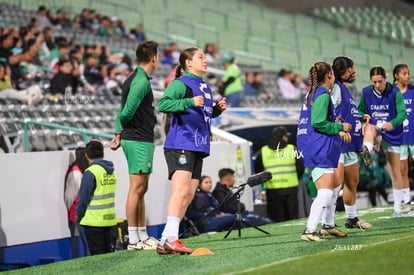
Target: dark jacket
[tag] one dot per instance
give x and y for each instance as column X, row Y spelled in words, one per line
column 225, row 195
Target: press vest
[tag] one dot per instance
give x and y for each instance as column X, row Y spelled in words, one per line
column 318, row 149
column 381, row 109
column 190, row 129
column 101, row 209
column 282, row 164
column 349, row 113
column 408, row 124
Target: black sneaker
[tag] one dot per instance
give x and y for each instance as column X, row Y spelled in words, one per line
column 357, row 223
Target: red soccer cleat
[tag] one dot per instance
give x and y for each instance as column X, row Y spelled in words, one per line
column 176, row 247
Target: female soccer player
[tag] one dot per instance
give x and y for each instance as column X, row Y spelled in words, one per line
column 190, row 101
column 401, row 75
column 319, row 138
column 347, row 171
column 384, row 103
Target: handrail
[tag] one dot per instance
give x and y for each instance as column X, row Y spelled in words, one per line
column 367, row 52
column 85, row 133
column 226, row 17
column 173, row 37
column 261, row 59
column 194, row 27
column 272, row 46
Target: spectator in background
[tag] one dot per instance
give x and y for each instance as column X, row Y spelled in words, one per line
column 138, row 33
column 297, row 81
column 280, row 158
column 42, row 18
column 73, row 179
column 171, row 54
column 62, row 50
column 105, row 27
column 84, row 20
column 259, row 85
column 229, row 204
column 95, row 210
column 117, row 27
column 203, row 203
column 61, row 82
column 287, row 89
column 30, row 96
column 209, row 51
column 249, row 89
column 232, row 83
column 8, row 42
column 116, row 77
column 92, row 71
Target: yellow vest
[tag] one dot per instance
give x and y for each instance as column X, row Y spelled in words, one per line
column 101, row 210
column 282, row 164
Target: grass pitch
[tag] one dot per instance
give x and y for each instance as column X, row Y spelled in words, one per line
column 388, row 248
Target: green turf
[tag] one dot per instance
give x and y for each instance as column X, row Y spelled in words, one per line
column 387, row 248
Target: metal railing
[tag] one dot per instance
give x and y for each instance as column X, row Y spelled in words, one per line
column 85, row 133
column 194, row 28
column 226, row 17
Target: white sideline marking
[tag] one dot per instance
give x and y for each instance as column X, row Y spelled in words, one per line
column 298, row 258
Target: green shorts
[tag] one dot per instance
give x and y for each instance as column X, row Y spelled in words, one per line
column 390, row 148
column 139, row 155
column 406, row 150
column 348, row 158
column 318, row 172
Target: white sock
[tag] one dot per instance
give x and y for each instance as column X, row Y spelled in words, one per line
column 351, row 211
column 328, row 217
column 142, row 233
column 171, row 229
column 406, row 196
column 322, row 200
column 133, row 234
column 397, row 199
column 369, row 145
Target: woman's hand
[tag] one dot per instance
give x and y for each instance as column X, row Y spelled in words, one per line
column 221, row 103
column 345, row 137
column 347, row 127
column 198, row 100
column 387, row 126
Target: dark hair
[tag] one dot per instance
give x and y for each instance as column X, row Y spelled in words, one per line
column 145, row 51
column 80, row 161
column 225, row 172
column 377, row 70
column 397, row 70
column 316, row 76
column 185, row 55
column 63, row 60
column 340, row 65
column 203, row 177
column 94, row 149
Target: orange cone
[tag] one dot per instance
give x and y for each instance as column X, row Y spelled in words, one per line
column 201, row 252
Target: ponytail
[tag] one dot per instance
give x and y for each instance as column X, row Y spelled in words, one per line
column 178, row 71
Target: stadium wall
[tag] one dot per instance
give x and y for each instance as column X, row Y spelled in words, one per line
column 33, row 216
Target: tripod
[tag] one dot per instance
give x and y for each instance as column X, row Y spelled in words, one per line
column 238, row 215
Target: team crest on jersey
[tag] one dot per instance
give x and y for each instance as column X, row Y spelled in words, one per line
column 182, row 159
